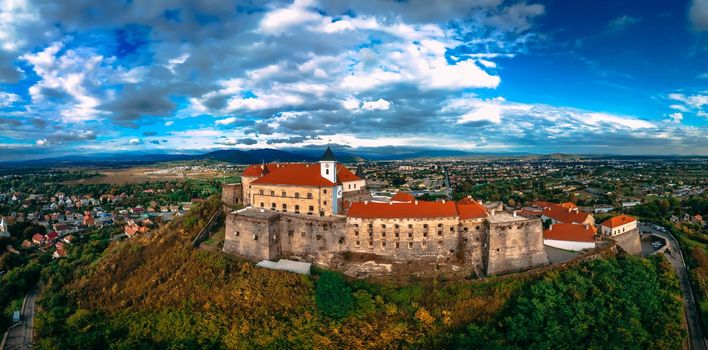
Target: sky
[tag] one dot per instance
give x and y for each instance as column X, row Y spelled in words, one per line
column 581, row 76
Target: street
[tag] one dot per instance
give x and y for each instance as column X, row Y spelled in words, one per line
column 695, row 329
column 21, row 336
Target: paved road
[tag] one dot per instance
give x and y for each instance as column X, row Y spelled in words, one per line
column 21, row 336
column 695, row 328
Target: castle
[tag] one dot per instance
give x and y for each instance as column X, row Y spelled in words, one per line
column 321, row 212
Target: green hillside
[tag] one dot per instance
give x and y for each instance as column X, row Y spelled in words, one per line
column 155, row 292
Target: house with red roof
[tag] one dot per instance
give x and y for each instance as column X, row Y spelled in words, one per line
column 558, row 213
column 618, row 225
column 38, row 238
column 570, row 236
column 319, row 189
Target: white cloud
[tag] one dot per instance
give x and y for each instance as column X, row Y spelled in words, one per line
column 378, row 105
column 134, row 141
column 41, row 142
column 13, row 14
column 676, row 117
column 351, row 104
column 73, row 73
column 488, row 64
column 169, row 123
column 698, row 15
column 8, row 99
column 226, row 121
column 174, row 62
column 278, row 21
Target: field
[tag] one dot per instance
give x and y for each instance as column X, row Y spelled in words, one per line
column 153, row 174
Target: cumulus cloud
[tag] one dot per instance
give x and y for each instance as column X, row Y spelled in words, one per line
column 226, row 121
column 698, row 15
column 8, row 99
column 135, row 141
column 378, row 105
column 695, row 103
column 676, row 117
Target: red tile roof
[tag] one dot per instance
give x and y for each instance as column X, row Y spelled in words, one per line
column 618, row 221
column 565, row 215
column 403, row 197
column 570, row 232
column 469, row 208
column 419, row 209
column 254, row 170
column 302, row 174
column 345, row 175
column 294, row 174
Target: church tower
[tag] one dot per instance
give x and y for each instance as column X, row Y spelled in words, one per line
column 328, row 166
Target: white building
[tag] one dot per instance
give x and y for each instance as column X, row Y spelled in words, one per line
column 570, row 237
column 618, row 225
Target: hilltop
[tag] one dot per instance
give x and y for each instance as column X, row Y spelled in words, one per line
column 155, row 291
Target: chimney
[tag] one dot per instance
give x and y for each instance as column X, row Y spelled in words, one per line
column 390, row 203
column 514, row 213
column 416, row 202
column 550, row 228
column 587, row 226
column 480, row 202
column 366, row 202
column 443, row 201
column 493, row 212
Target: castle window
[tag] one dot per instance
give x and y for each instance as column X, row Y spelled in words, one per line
column 284, row 194
column 357, row 243
column 325, row 191
column 396, row 234
column 464, row 229
column 309, row 196
column 327, row 171
column 371, row 243
column 272, row 193
column 425, row 233
column 349, row 186
column 410, row 245
column 312, row 208
column 238, row 233
column 260, row 191
column 397, row 245
column 476, row 228
column 425, row 226
column 410, row 234
column 262, row 205
column 255, row 237
column 452, row 229
column 290, row 233
column 396, row 226
column 383, row 226
column 354, row 186
column 356, row 233
column 440, row 225
column 285, row 207
column 383, row 244
column 410, row 226
column 297, row 208
column 324, row 202
column 424, row 244
column 371, row 225
column 272, row 206
column 297, row 194
column 383, row 234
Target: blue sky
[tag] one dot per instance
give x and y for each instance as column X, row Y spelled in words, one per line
column 627, row 77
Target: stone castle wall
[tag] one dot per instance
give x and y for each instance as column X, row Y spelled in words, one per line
column 629, row 241
column 491, row 245
column 514, row 243
column 231, row 195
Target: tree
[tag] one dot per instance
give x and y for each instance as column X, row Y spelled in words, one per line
column 334, row 297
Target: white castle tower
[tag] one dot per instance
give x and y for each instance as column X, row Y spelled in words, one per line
column 328, row 166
